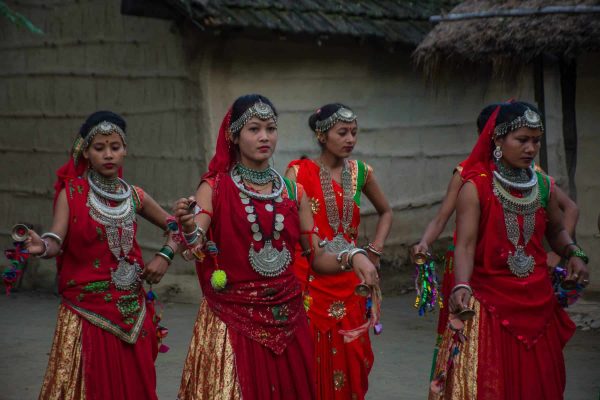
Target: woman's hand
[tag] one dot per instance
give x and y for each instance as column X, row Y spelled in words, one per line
column 459, row 300
column 365, row 269
column 34, row 243
column 185, row 214
column 155, row 270
column 420, row 247
column 578, row 271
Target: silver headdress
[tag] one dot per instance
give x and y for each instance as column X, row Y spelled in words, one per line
column 343, row 114
column 104, row 128
column 529, row 119
column 259, row 110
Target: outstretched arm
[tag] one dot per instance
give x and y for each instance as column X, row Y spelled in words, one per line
column 438, row 223
column 50, row 247
column 467, row 227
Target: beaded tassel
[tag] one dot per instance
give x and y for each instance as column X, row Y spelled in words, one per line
column 17, row 257
column 426, row 285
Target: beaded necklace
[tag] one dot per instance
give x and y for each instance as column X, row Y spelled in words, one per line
column 102, row 192
column 520, row 263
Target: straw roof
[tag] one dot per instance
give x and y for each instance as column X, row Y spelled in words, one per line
column 506, row 41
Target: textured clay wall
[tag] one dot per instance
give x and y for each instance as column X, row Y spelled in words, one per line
column 89, row 58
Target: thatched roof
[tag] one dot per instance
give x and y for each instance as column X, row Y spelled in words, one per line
column 503, row 41
column 397, row 22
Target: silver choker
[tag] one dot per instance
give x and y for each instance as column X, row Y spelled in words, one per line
column 518, row 185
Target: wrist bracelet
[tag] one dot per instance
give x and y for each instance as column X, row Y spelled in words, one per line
column 353, row 252
column 53, row 236
column 339, row 258
column 166, row 257
column 579, row 254
column 377, row 251
column 462, row 286
column 565, row 248
column 45, row 253
column 167, row 251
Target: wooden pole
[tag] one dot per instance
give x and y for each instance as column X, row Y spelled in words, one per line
column 568, row 82
column 538, row 81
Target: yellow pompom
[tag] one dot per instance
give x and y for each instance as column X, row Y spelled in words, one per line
column 218, row 279
column 308, row 300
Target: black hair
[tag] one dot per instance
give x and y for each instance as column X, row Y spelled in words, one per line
column 242, row 103
column 508, row 112
column 99, row 116
column 323, row 113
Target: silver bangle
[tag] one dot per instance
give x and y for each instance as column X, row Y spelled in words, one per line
column 373, row 250
column 462, row 286
column 45, row 253
column 353, row 252
column 339, row 259
column 158, row 253
column 53, row 236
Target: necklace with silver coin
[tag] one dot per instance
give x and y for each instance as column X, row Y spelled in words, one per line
column 519, row 262
column 268, row 261
column 126, row 275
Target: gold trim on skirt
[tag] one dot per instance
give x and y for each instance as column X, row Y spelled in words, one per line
column 461, row 381
column 64, row 376
column 209, row 370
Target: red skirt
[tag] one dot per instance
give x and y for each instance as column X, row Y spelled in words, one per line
column 492, row 364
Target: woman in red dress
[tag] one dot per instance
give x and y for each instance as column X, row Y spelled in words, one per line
column 105, row 342
column 251, row 338
column 512, row 347
column 438, row 223
column 334, row 185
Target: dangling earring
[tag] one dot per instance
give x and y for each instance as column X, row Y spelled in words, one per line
column 497, row 153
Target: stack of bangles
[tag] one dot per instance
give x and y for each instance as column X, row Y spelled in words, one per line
column 577, row 252
column 462, row 285
column 192, row 237
column 349, row 253
column 44, row 238
column 378, row 251
column 167, row 253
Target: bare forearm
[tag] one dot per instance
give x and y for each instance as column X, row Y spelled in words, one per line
column 384, row 225
column 463, row 263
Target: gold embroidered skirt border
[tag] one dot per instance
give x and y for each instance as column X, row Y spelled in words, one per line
column 64, row 375
column 209, row 371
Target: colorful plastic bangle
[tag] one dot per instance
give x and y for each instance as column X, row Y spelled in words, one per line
column 577, row 252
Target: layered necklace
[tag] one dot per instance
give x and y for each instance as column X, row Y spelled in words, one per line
column 525, row 182
column 339, row 242
column 268, row 261
column 102, row 194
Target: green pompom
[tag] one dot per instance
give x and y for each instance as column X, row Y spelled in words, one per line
column 218, row 279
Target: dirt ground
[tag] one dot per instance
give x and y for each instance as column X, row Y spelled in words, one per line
column 402, row 353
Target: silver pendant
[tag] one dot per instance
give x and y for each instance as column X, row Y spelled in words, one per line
column 269, row 207
column 338, row 244
column 269, row 261
column 278, row 226
column 257, row 236
column 520, row 263
column 126, row 276
column 276, row 235
column 279, row 217
column 278, row 200
column 254, row 228
column 251, row 218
